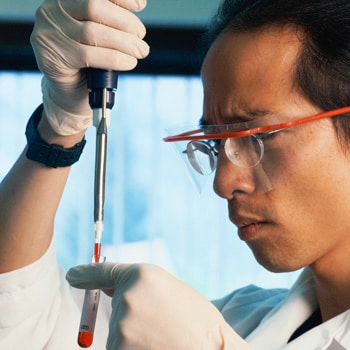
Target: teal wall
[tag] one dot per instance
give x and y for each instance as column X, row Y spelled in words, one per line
column 162, row 12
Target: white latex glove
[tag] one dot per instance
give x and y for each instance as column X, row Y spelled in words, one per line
column 70, row 35
column 153, row 310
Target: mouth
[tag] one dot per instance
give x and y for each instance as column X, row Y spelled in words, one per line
column 250, row 218
column 249, row 226
column 251, row 231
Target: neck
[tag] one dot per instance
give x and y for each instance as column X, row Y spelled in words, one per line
column 333, row 291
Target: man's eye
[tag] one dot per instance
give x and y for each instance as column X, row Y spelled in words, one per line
column 265, row 136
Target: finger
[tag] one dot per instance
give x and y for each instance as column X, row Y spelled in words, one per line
column 102, row 47
column 108, row 59
column 91, row 276
column 132, row 5
column 103, row 58
column 105, row 12
column 94, row 34
column 101, row 276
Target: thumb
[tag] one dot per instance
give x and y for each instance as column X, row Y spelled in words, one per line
column 100, row 275
column 91, row 276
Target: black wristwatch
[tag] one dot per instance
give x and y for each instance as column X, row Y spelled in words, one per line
column 40, row 151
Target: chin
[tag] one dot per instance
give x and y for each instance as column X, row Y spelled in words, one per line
column 276, row 265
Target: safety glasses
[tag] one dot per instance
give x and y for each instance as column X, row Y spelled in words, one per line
column 244, row 143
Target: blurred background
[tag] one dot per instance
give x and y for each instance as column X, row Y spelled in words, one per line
column 153, row 213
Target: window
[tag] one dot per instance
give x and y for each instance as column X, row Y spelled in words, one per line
column 152, row 211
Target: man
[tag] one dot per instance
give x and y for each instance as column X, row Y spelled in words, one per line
column 270, row 66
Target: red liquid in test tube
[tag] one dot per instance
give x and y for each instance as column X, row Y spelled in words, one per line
column 90, row 307
column 85, row 339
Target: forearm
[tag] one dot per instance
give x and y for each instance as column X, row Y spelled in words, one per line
column 29, row 197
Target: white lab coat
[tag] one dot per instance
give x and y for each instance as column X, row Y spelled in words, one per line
column 268, row 318
column 39, row 311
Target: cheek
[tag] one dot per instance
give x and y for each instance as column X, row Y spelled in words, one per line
column 304, row 224
column 316, row 191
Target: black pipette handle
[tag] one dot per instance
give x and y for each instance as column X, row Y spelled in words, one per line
column 97, row 80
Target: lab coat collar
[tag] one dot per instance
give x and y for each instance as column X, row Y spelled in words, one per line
column 280, row 323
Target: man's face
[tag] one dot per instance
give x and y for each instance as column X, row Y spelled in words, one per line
column 303, row 219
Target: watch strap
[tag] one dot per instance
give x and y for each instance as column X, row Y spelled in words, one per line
column 51, row 155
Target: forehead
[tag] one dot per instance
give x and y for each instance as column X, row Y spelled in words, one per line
column 251, row 73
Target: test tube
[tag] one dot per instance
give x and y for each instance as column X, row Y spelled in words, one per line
column 89, row 312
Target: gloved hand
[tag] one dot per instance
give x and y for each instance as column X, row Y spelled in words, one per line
column 153, row 310
column 70, row 35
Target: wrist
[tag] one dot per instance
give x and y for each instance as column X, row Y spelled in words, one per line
column 62, row 118
column 48, row 134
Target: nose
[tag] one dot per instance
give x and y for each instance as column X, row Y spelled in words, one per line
column 231, row 179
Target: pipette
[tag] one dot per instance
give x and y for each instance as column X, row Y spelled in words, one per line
column 102, row 85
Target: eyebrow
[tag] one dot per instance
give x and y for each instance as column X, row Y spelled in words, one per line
column 245, row 117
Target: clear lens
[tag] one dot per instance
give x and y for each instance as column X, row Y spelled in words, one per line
column 245, row 152
column 202, row 157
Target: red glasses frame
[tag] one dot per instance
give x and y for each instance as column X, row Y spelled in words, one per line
column 191, row 135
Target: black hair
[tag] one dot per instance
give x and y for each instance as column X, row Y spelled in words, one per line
column 322, row 71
